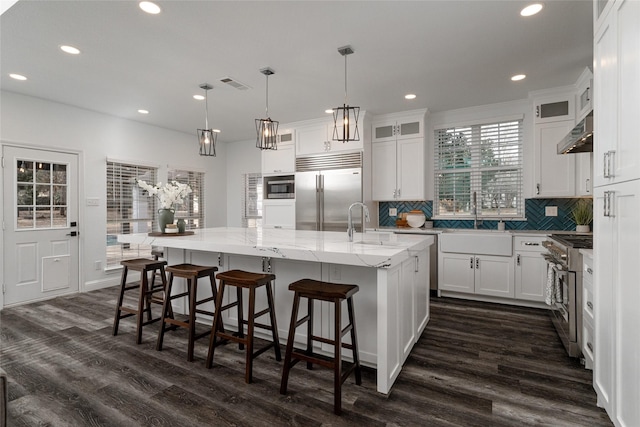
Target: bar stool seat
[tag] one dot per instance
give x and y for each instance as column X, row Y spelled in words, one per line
column 147, row 293
column 251, row 281
column 191, row 273
column 335, row 293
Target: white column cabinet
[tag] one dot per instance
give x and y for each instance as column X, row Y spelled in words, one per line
column 398, row 158
column 530, row 268
column 616, row 246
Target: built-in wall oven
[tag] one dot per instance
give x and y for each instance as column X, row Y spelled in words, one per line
column 564, row 286
column 279, row 187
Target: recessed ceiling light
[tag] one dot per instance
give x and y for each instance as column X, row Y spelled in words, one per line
column 518, row 77
column 410, row 96
column 198, row 97
column 329, row 111
column 17, row 76
column 143, row 111
column 70, row 49
column 149, row 7
column 532, row 9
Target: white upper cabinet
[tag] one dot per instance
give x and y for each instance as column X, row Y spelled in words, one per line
column 584, row 94
column 317, row 138
column 554, row 107
column 554, row 174
column 282, row 160
column 617, row 89
column 398, row 158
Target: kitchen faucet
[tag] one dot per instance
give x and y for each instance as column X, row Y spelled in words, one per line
column 476, row 223
column 350, row 227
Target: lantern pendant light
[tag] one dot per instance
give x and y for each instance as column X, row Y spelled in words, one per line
column 345, row 118
column 207, row 137
column 267, row 129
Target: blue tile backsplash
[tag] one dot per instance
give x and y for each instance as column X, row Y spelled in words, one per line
column 534, row 213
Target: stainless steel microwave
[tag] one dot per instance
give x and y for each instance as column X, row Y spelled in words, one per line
column 279, row 187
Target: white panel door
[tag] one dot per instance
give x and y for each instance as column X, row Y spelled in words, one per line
column 554, row 173
column 40, row 216
column 494, row 276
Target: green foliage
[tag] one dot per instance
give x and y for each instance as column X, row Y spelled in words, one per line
column 582, row 212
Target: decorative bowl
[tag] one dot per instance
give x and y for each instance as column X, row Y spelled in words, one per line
column 416, row 219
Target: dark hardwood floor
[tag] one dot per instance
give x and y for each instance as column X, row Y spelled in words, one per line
column 476, row 364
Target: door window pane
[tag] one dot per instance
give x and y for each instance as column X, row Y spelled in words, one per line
column 42, row 195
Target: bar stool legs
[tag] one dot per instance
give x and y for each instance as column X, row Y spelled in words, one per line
column 191, row 273
column 251, row 281
column 335, row 293
column 146, row 293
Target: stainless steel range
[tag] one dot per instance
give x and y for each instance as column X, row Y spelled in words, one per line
column 565, row 284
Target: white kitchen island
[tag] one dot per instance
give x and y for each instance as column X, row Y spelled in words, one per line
column 392, row 271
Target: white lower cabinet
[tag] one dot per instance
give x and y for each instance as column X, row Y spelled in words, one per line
column 616, row 294
column 279, row 214
column 588, row 320
column 476, row 274
column 530, row 268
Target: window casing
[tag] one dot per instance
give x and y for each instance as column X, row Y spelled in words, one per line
column 485, row 159
column 192, row 210
column 129, row 210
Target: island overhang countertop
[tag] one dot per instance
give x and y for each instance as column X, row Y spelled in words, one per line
column 371, row 249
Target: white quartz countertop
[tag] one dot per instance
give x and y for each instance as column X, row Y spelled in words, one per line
column 371, row 249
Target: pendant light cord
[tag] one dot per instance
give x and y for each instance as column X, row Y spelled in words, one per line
column 206, row 109
column 345, row 79
column 267, row 97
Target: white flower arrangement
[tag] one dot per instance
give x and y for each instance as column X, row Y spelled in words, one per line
column 169, row 194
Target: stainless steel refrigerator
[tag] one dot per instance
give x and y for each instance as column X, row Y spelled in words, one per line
column 325, row 187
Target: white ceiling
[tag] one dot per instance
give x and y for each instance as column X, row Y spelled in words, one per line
column 451, row 54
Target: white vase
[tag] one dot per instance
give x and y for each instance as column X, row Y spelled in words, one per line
column 582, row 228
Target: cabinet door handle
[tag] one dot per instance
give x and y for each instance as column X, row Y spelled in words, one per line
column 589, row 270
column 588, row 96
column 537, row 111
column 471, row 262
column 477, row 262
column 398, row 192
column 586, row 185
column 590, row 305
column 394, row 193
column 417, row 264
column 518, row 259
column 590, row 347
column 537, row 188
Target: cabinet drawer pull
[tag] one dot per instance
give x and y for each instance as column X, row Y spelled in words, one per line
column 531, row 243
column 590, row 305
column 590, row 347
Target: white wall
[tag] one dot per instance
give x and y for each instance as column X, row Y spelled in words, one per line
column 29, row 121
column 242, row 157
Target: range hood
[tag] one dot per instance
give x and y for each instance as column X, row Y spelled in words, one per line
column 580, row 139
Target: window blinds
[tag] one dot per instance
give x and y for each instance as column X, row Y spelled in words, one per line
column 485, row 159
column 192, row 210
column 129, row 209
column 252, row 200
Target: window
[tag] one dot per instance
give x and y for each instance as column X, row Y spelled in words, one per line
column 252, row 200
column 129, row 209
column 485, row 159
column 192, row 210
column 42, row 194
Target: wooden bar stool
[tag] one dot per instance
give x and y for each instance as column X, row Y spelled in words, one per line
column 191, row 273
column 335, row 293
column 251, row 281
column 146, row 292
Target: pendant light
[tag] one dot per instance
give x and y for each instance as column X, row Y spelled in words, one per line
column 345, row 118
column 267, row 129
column 207, row 137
